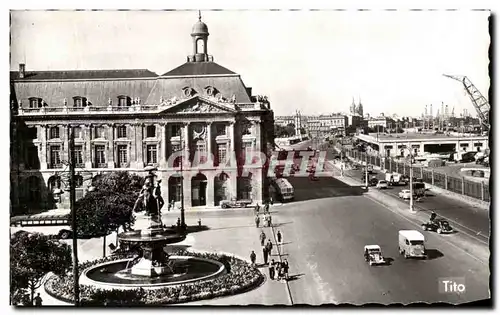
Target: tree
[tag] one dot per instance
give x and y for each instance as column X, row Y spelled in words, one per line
column 109, row 206
column 33, row 255
column 290, row 130
column 280, row 131
column 303, row 131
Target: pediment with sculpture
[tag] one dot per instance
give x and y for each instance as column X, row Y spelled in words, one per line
column 198, row 105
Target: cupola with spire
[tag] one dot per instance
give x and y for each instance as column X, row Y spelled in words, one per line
column 200, row 34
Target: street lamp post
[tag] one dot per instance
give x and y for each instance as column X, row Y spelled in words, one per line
column 72, row 199
column 183, row 219
column 411, row 178
column 366, row 171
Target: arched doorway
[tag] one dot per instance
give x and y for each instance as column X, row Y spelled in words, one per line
column 199, row 190
column 244, row 187
column 174, row 188
column 221, row 191
column 33, row 193
column 55, row 187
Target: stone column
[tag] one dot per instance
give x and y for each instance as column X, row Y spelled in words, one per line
column 187, row 190
column 210, row 160
column 210, row 189
column 232, row 187
column 187, row 151
column 87, row 157
column 163, row 156
column 139, row 129
column 257, row 125
column 65, row 143
column 43, row 147
column 111, row 147
column 232, row 133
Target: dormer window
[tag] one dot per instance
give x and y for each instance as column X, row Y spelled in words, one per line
column 123, row 100
column 35, row 102
column 79, row 101
column 188, row 92
column 210, row 91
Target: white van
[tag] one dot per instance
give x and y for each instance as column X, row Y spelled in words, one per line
column 411, row 244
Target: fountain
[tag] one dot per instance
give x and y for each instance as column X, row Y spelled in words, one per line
column 152, row 266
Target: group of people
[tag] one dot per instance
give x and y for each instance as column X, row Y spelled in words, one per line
column 266, row 216
column 278, row 270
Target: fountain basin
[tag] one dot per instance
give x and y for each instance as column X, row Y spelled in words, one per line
column 187, row 269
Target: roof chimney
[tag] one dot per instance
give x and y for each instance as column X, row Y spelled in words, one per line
column 22, row 70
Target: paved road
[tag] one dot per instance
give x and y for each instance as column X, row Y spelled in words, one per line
column 474, row 221
column 324, row 244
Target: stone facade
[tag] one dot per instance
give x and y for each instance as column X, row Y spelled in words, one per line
column 133, row 120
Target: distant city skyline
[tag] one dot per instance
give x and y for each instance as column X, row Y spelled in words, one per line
column 314, row 62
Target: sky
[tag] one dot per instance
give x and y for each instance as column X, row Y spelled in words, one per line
column 311, row 61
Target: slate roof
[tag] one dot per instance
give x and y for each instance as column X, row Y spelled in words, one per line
column 84, row 74
column 228, row 86
column 198, row 68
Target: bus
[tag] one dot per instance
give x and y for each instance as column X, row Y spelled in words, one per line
column 284, row 189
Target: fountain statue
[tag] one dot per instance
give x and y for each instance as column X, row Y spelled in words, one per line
column 151, row 266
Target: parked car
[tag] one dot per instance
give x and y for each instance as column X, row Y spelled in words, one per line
column 439, row 225
column 382, row 184
column 233, row 203
column 405, row 194
column 373, row 255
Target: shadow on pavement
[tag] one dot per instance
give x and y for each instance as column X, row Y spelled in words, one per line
column 235, row 227
column 388, row 261
column 433, row 254
column 280, row 224
column 325, row 187
column 295, row 277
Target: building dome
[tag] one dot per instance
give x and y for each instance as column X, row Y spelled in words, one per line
column 200, row 28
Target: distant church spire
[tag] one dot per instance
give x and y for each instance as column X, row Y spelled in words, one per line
column 199, row 15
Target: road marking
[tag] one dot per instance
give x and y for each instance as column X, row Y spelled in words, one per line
column 443, row 239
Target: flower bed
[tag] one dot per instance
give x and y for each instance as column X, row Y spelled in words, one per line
column 240, row 277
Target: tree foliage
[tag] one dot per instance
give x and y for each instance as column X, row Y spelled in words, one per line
column 32, row 256
column 109, row 206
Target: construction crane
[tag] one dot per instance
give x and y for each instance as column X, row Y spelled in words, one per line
column 479, row 102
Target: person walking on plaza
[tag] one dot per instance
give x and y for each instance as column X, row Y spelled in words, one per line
column 285, row 269
column 269, row 246
column 253, row 258
column 279, row 236
column 267, row 207
column 257, row 221
column 269, row 222
column 271, row 270
column 278, row 271
column 257, row 208
column 262, row 237
column 265, row 253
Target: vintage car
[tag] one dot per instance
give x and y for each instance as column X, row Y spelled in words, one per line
column 233, row 203
column 382, row 184
column 438, row 225
column 373, row 255
column 405, row 194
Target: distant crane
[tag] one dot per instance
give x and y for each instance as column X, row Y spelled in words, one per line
column 479, row 102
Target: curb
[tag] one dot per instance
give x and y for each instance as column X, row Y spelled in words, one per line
column 290, row 298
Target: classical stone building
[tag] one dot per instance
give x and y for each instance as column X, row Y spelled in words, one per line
column 130, row 119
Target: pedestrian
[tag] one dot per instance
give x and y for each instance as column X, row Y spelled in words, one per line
column 178, row 222
column 257, row 221
column 257, row 208
column 265, row 253
column 279, row 236
column 267, row 207
column 269, row 222
column 38, row 300
column 285, row 269
column 278, row 271
column 269, row 246
column 262, row 237
column 271, row 198
column 271, row 271
column 253, row 258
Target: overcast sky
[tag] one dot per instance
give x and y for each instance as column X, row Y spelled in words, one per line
column 310, row 61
